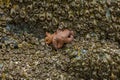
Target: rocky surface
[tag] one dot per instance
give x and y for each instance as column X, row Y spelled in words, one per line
column 83, row 16
column 23, row 56
column 94, row 54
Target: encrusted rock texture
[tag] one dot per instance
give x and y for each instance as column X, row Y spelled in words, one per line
column 94, row 53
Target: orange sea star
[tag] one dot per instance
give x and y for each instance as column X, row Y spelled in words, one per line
column 59, row 38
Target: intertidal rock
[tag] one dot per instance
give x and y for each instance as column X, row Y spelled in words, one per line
column 94, row 55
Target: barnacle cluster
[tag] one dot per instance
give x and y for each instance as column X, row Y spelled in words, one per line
column 93, row 55
column 82, row 16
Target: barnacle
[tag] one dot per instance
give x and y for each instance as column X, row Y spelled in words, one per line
column 42, row 16
column 48, row 16
column 22, row 13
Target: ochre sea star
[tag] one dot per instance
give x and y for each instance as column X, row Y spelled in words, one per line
column 59, row 38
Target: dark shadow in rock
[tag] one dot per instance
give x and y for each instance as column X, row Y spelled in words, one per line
column 36, row 30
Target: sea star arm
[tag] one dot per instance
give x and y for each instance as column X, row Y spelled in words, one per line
column 55, row 43
column 69, row 39
column 58, row 42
